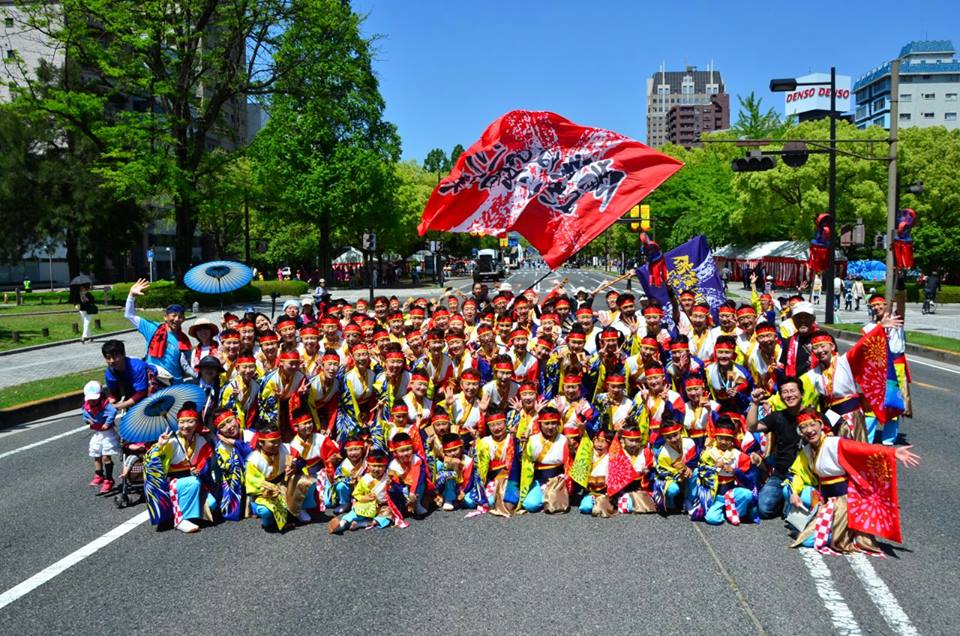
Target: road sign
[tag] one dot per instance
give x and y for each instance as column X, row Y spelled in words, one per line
column 370, row 241
column 513, row 242
column 149, row 256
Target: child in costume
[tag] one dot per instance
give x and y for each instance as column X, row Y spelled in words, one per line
column 410, row 486
column 546, row 459
column 676, row 461
column 230, row 452
column 455, row 475
column 369, row 507
column 726, row 479
column 634, row 496
column 498, row 463
column 348, row 473
column 596, row 501
column 315, row 456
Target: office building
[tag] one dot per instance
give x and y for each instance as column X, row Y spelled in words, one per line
column 687, row 88
column 929, row 88
column 686, row 122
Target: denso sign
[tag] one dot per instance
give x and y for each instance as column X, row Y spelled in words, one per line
column 807, row 98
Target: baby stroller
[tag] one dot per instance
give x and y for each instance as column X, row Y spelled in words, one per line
column 131, row 483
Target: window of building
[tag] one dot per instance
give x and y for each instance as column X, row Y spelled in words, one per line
column 951, row 97
column 906, row 97
column 8, row 22
column 904, row 116
column 928, row 115
column 11, row 54
column 949, row 117
column 929, row 95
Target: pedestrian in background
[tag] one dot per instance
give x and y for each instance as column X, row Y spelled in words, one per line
column 858, row 293
column 87, row 306
column 817, row 289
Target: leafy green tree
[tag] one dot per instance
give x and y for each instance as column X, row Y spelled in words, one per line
column 455, row 154
column 753, row 123
column 326, row 155
column 437, row 163
column 162, row 83
column 783, row 203
column 932, row 155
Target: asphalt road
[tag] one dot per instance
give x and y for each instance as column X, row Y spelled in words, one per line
column 535, row 573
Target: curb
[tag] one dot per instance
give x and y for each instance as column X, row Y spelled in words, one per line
column 940, row 355
column 48, row 345
column 16, row 415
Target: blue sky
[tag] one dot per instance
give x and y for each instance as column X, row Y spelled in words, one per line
column 447, row 69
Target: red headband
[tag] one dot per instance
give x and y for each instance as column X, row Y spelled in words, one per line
column 395, row 355
column 289, row 355
column 246, row 360
column 331, row 357
column 354, row 443
column 545, row 418
column 672, row 427
column 188, row 414
column 222, row 417
column 503, row 366
column 693, row 381
column 309, row 331
column 746, row 311
column 821, row 337
column 631, row 433
column 725, row 346
column 653, row 372
column 652, row 310
column 724, row 310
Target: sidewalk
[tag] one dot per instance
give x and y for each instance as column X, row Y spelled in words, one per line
column 946, row 322
column 49, row 362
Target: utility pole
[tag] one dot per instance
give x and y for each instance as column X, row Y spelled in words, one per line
column 831, row 272
column 892, row 181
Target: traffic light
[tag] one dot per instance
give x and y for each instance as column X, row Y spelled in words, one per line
column 634, row 213
column 645, row 223
column 756, row 161
column 504, row 241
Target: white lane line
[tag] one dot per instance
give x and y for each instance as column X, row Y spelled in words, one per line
column 47, row 421
column 914, row 360
column 840, row 614
column 42, row 442
column 41, row 577
column 881, row 596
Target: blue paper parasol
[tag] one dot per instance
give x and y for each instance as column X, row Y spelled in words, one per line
column 217, row 277
column 157, row 413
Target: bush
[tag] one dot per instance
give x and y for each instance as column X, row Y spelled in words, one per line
column 160, row 294
column 947, row 294
column 282, row 287
column 164, row 292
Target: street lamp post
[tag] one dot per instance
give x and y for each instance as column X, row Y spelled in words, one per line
column 790, row 84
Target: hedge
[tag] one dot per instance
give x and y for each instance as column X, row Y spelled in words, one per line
column 282, row 287
column 164, row 292
column 947, row 293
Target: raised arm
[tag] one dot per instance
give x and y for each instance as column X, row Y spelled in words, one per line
column 129, row 309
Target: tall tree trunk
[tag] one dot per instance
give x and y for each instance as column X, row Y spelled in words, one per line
column 183, row 241
column 73, row 252
column 325, row 268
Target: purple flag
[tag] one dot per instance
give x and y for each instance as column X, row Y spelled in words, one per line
column 689, row 266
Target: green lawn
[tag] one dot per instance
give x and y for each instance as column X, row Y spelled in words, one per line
column 61, row 327
column 12, row 310
column 914, row 337
column 39, row 389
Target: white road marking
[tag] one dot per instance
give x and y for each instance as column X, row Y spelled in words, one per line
column 840, row 614
column 42, row 442
column 47, row 421
column 41, row 577
column 914, row 360
column 881, row 596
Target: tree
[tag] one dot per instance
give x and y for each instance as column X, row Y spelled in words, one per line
column 162, row 83
column 932, row 155
column 437, row 163
column 784, row 202
column 327, row 154
column 753, row 123
column 455, row 154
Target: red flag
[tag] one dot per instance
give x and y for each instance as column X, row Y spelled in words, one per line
column 558, row 184
column 873, row 505
column 868, row 361
column 620, row 472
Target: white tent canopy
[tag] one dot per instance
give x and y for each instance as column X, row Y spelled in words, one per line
column 351, row 255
